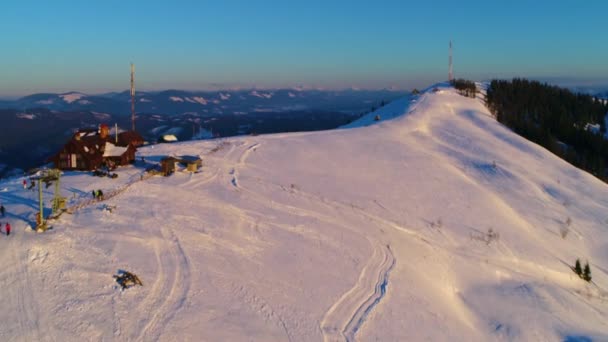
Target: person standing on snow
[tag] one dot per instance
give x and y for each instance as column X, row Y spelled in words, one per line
column 8, row 229
column 2, row 210
column 24, row 184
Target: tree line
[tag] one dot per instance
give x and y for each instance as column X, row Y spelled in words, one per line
column 465, row 87
column 554, row 118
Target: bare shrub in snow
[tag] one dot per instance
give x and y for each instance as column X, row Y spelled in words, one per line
column 437, row 224
column 491, row 235
column 565, row 229
column 487, row 237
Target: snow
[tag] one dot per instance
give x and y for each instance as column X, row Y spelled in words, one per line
column 389, row 111
column 377, row 232
column 593, row 128
column 45, row 102
column 87, row 134
column 169, row 137
column 102, row 116
column 200, row 100
column 112, row 150
column 224, row 97
column 261, row 94
column 176, row 99
column 71, row 97
column 84, row 102
column 144, row 100
column 26, row 116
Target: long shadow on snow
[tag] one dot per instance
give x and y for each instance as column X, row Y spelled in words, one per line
column 11, row 197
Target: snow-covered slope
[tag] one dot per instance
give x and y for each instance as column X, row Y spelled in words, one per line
column 437, row 225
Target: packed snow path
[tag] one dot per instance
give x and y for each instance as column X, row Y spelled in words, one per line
column 436, row 224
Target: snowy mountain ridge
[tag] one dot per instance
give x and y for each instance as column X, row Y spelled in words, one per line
column 438, row 224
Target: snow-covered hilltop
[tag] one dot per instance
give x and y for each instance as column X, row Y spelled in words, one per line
column 439, row 224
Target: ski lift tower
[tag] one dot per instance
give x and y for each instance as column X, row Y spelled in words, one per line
column 48, row 177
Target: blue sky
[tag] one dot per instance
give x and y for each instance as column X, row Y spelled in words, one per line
column 54, row 46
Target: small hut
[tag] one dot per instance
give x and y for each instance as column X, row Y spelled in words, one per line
column 167, row 165
column 193, row 163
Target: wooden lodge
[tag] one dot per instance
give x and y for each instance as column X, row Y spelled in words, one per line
column 89, row 149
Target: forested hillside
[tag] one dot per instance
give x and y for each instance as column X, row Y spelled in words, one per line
column 554, row 118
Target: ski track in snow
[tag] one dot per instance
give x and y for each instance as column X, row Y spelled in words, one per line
column 346, row 316
column 167, row 299
column 380, row 289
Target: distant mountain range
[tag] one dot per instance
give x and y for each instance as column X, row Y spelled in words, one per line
column 35, row 126
column 207, row 102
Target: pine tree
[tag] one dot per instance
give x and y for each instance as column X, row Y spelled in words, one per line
column 587, row 272
column 577, row 268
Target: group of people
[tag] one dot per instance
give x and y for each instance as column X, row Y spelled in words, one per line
column 98, row 194
column 31, row 187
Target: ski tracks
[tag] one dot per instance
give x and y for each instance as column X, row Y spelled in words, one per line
column 347, row 315
column 234, row 168
column 169, row 292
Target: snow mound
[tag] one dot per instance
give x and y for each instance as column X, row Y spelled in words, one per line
column 200, row 100
column 71, row 97
column 261, row 94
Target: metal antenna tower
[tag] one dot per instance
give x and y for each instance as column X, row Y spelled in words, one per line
column 132, row 97
column 451, row 66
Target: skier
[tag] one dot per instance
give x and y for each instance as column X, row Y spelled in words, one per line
column 2, row 210
column 24, row 184
column 100, row 195
column 8, row 229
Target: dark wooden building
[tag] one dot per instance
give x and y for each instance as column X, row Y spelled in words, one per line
column 90, row 149
column 130, row 137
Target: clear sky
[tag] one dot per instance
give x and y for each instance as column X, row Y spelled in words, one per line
column 54, row 46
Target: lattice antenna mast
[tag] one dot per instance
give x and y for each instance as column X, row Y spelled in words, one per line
column 451, row 66
column 132, row 97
